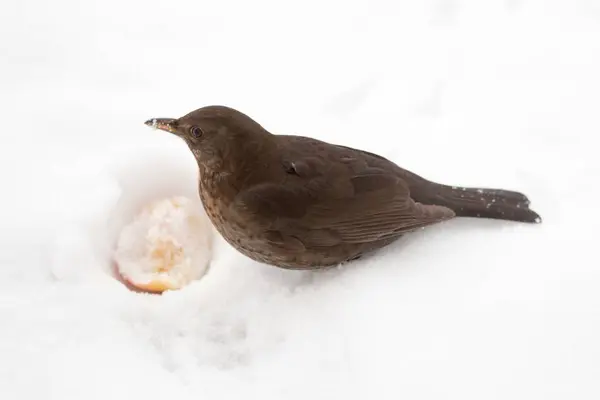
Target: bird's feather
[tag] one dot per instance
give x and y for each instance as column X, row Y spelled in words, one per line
column 372, row 206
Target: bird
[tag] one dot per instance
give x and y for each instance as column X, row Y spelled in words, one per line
column 296, row 202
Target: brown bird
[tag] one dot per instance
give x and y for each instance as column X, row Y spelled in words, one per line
column 301, row 203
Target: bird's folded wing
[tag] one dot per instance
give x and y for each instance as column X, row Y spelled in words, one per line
column 361, row 208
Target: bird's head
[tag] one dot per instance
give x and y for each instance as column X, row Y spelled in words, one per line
column 211, row 132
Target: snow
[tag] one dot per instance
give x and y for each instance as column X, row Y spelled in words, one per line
column 468, row 93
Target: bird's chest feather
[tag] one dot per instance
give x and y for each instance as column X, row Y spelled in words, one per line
column 217, row 191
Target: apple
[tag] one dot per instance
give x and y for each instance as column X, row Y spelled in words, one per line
column 167, row 246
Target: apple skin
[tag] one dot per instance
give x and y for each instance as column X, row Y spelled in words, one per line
column 153, row 287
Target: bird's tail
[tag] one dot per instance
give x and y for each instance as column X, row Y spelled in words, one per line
column 477, row 202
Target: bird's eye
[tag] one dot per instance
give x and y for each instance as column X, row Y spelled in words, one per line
column 196, row 132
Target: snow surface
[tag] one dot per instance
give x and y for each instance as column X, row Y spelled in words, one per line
column 482, row 93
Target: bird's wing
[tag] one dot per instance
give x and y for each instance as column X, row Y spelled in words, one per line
column 357, row 208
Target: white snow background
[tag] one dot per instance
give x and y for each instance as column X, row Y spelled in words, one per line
column 483, row 93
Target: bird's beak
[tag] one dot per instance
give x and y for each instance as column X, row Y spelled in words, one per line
column 165, row 124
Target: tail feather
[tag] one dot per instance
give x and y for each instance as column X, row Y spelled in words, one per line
column 464, row 201
column 478, row 202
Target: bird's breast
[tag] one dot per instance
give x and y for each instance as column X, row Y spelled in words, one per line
column 217, row 192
